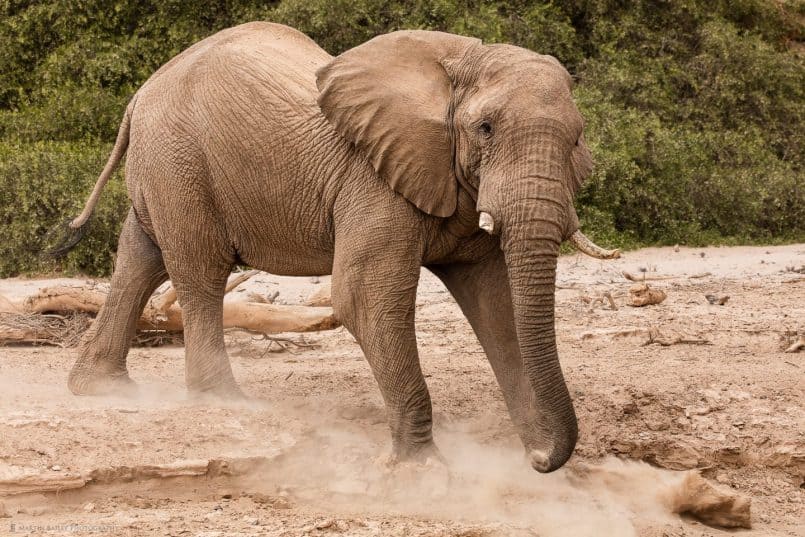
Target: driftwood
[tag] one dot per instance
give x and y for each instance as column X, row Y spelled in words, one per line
column 642, row 295
column 644, row 276
column 59, row 315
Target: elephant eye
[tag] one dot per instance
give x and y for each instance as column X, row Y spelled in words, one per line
column 485, row 128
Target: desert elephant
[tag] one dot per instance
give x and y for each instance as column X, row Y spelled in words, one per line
column 417, row 148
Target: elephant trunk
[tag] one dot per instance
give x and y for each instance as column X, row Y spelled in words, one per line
column 534, row 224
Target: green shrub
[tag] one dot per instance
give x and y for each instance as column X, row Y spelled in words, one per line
column 695, row 109
column 41, row 185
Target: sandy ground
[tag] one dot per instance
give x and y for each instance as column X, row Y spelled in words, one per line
column 305, row 455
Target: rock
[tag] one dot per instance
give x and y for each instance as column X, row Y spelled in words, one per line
column 56, row 468
column 88, row 507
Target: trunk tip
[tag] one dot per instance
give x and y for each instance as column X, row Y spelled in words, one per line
column 539, row 461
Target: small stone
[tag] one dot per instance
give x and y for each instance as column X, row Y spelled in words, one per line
column 88, row 507
column 56, row 468
column 325, row 524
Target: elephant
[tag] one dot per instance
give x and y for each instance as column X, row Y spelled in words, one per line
column 414, row 149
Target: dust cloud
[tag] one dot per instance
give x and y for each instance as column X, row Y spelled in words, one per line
column 343, row 471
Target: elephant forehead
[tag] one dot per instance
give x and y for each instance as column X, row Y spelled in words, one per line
column 511, row 62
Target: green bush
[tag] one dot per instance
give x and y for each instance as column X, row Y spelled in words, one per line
column 695, row 109
column 41, row 185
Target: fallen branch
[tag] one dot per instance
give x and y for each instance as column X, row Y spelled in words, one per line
column 34, row 329
column 616, row 333
column 643, row 276
column 657, row 337
column 798, row 345
column 604, row 299
column 643, row 295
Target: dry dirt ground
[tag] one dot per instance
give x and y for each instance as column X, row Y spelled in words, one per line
column 305, row 455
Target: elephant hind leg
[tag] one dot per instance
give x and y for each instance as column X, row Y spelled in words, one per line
column 200, row 288
column 101, row 365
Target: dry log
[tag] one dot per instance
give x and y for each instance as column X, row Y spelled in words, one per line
column 162, row 302
column 50, row 316
column 321, row 296
column 643, row 295
column 65, row 299
column 712, row 505
column 263, row 318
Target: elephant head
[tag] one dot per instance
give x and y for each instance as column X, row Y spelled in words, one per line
column 435, row 113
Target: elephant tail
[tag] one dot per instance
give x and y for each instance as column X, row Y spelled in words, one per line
column 72, row 231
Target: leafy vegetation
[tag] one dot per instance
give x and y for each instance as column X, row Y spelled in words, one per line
column 694, row 108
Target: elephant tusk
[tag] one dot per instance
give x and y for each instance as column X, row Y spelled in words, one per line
column 588, row 247
column 486, row 222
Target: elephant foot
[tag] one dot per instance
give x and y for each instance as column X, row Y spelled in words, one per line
column 424, row 472
column 82, row 382
column 223, row 392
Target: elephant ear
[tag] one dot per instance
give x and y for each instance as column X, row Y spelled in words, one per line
column 581, row 162
column 391, row 98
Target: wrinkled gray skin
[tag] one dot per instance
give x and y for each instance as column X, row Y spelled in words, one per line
column 255, row 146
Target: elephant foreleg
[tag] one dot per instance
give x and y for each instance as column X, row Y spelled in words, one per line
column 374, row 294
column 101, row 365
column 482, row 291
